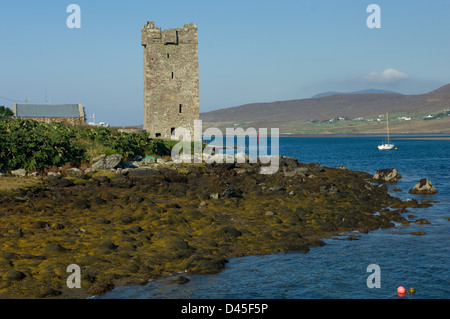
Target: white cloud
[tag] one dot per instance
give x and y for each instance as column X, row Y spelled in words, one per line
column 387, row 76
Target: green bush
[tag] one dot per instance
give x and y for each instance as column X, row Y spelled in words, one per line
column 158, row 147
column 35, row 145
column 5, row 112
column 32, row 145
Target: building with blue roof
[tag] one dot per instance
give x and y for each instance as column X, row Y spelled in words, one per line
column 65, row 113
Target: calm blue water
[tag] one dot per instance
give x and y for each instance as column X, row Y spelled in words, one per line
column 339, row 269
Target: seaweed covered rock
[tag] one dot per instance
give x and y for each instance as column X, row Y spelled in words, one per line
column 153, row 222
column 60, row 182
column 206, row 265
column 14, row 275
column 76, row 173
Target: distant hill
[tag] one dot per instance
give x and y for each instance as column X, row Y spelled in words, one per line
column 289, row 115
column 368, row 91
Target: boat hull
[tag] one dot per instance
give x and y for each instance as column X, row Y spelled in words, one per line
column 386, row 147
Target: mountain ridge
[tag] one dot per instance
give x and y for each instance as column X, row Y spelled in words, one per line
column 290, row 113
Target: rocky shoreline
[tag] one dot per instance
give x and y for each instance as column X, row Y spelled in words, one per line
column 154, row 219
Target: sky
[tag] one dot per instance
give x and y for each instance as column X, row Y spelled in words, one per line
column 249, row 51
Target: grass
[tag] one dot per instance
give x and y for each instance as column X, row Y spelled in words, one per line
column 104, row 172
column 417, row 125
column 11, row 183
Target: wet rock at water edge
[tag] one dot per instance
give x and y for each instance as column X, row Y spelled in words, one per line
column 387, row 175
column 417, row 233
column 424, row 187
column 181, row 280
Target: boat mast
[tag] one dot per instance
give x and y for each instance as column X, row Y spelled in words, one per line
column 387, row 118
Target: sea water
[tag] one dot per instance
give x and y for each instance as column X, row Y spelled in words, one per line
column 339, row 269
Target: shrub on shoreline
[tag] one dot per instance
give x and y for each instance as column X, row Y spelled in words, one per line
column 34, row 145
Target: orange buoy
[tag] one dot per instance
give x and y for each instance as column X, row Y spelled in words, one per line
column 401, row 290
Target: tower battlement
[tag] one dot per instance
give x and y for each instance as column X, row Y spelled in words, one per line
column 154, row 35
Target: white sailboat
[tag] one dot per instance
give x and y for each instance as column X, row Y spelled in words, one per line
column 388, row 145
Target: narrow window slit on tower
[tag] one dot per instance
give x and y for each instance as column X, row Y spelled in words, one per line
column 163, row 94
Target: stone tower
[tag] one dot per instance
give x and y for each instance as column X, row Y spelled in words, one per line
column 171, row 85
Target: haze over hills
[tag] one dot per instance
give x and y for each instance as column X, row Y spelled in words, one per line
column 368, row 91
column 292, row 116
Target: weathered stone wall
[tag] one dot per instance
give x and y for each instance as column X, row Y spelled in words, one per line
column 171, row 81
column 65, row 120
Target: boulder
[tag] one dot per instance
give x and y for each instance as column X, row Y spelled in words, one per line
column 98, row 162
column 55, row 175
column 205, row 265
column 100, row 179
column 76, row 173
column 289, row 162
column 317, row 168
column 423, row 187
column 422, row 221
column 145, row 174
column 14, row 275
column 388, row 175
column 150, row 160
column 107, row 245
column 214, row 196
column 181, row 280
column 289, row 172
column 120, row 181
column 230, row 192
column 60, row 182
column 106, row 162
column 19, row 172
column 228, row 232
column 126, row 165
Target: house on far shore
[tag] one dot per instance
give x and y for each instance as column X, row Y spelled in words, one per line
column 72, row 114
